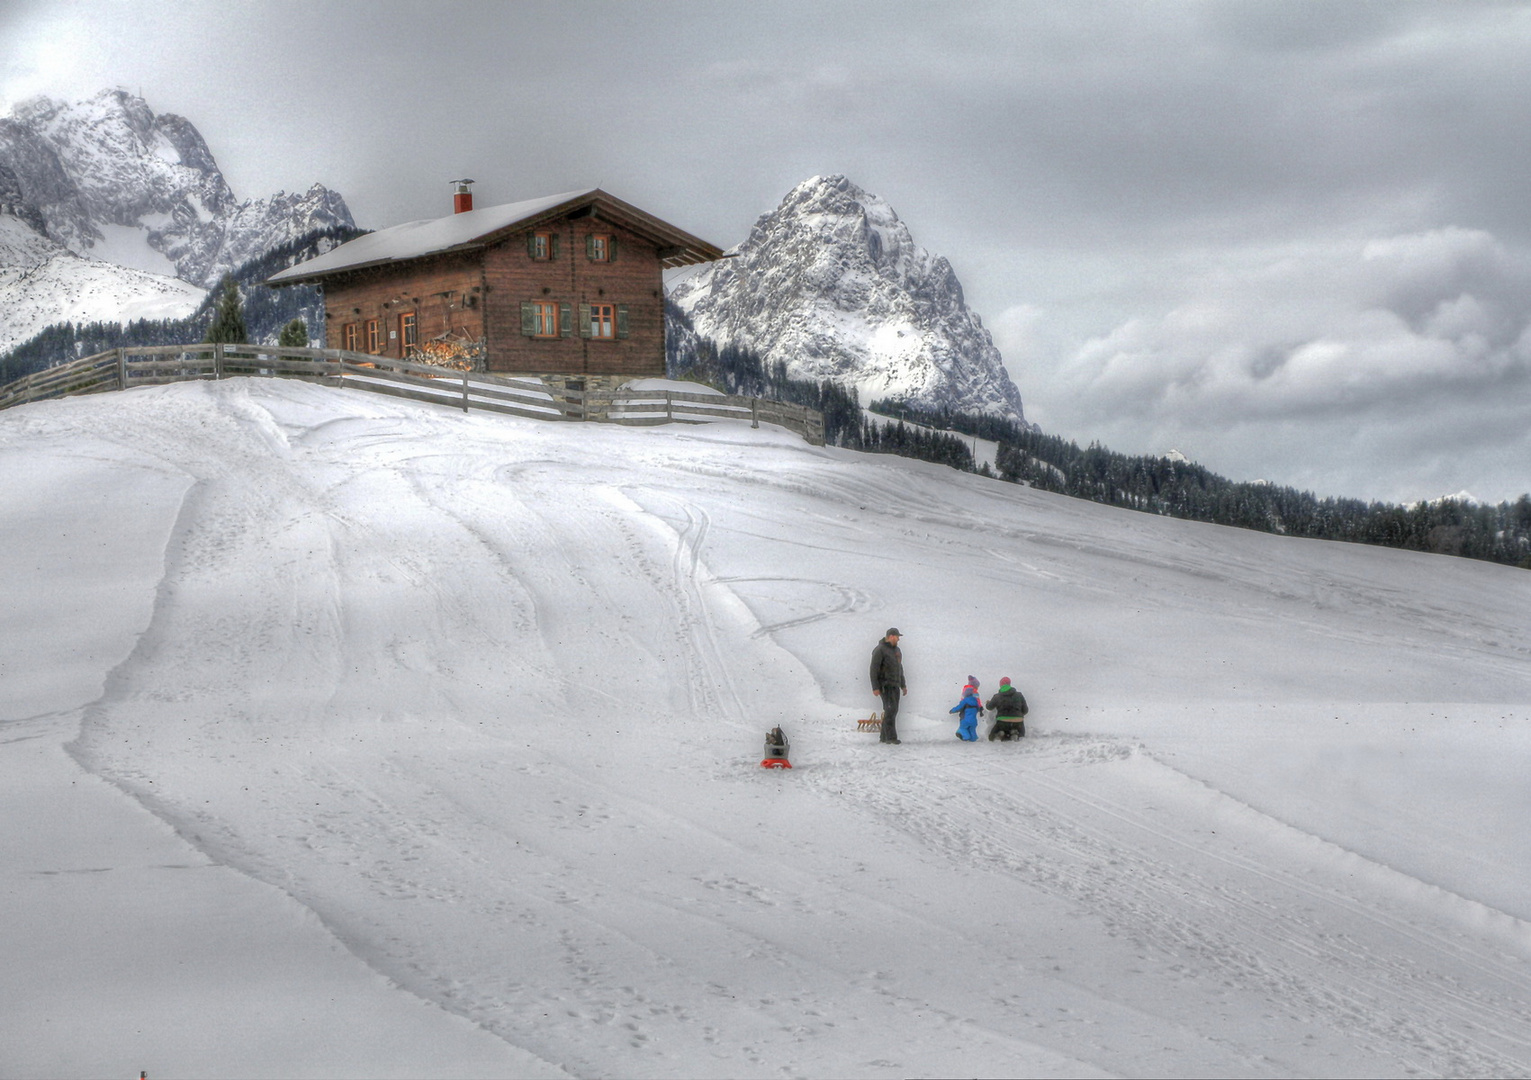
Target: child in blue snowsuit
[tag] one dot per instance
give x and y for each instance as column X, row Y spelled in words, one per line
column 970, row 708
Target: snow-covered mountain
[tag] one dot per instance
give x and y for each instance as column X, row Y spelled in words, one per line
column 831, row 284
column 128, row 214
column 112, row 179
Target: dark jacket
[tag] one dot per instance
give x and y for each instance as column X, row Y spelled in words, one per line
column 1008, row 702
column 887, row 666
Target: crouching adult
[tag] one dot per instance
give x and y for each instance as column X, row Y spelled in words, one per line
column 1009, row 708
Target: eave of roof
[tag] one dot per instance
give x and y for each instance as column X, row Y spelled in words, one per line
column 477, row 229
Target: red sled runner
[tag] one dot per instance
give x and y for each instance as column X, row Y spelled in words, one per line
column 776, row 746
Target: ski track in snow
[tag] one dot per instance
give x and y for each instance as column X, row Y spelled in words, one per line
column 496, row 724
column 1328, row 954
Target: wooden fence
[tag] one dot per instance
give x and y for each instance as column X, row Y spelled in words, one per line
column 126, row 368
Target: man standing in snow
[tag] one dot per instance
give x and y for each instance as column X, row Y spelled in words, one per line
column 888, row 681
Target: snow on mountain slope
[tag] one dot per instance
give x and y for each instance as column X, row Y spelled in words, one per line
column 832, row 284
column 112, row 180
column 42, row 283
column 487, row 697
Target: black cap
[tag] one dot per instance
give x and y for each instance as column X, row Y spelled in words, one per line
column 893, row 632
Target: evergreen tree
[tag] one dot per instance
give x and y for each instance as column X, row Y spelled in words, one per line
column 294, row 335
column 228, row 325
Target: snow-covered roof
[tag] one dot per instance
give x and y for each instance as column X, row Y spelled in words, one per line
column 476, row 228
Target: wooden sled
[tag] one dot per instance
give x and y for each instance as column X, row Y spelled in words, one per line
column 871, row 723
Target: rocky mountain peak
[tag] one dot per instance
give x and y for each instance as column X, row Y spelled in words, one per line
column 113, row 180
column 832, row 284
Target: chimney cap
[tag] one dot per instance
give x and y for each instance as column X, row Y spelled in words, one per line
column 461, row 181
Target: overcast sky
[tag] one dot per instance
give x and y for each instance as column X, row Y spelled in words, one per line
column 1290, row 239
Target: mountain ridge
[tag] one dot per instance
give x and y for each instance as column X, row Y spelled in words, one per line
column 110, row 161
column 109, row 212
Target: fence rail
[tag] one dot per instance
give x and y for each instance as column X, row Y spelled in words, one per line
column 156, row 365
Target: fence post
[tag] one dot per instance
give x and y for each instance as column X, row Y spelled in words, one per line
column 218, row 360
column 122, row 369
column 754, row 412
column 669, row 408
column 465, row 390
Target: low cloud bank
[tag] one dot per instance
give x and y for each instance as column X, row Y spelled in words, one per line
column 1383, row 368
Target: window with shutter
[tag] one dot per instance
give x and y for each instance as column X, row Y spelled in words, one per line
column 603, row 321
column 542, row 245
column 598, row 247
column 544, row 319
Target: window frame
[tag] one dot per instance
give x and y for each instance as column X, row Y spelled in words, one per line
column 350, row 336
column 409, row 332
column 601, row 247
column 542, row 245
column 597, row 322
column 545, row 319
column 375, row 337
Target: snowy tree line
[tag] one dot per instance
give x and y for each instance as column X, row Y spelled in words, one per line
column 266, row 313
column 1184, row 489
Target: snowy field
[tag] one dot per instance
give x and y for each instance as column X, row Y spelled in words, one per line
column 347, row 737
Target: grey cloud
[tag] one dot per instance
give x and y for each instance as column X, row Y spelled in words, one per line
column 1417, row 319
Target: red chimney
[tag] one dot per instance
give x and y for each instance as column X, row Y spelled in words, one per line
column 462, row 201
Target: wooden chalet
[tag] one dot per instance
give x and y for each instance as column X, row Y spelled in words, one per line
column 567, row 286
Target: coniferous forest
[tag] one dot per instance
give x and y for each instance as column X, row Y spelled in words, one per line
column 1183, row 489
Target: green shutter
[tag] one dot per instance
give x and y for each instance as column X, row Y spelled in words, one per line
column 531, row 245
column 590, row 245
column 528, row 320
column 611, row 249
column 565, row 321
column 584, row 320
column 621, row 320
column 552, row 245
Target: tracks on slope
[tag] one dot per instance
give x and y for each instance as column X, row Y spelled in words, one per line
column 1251, row 910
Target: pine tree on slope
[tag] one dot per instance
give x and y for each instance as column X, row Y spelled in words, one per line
column 228, row 325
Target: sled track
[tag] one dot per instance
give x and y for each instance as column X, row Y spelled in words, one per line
column 1330, row 956
column 850, row 601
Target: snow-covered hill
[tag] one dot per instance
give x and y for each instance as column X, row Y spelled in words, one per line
column 42, row 283
column 831, row 284
column 451, row 726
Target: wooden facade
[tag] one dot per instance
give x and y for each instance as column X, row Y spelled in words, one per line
column 570, row 289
